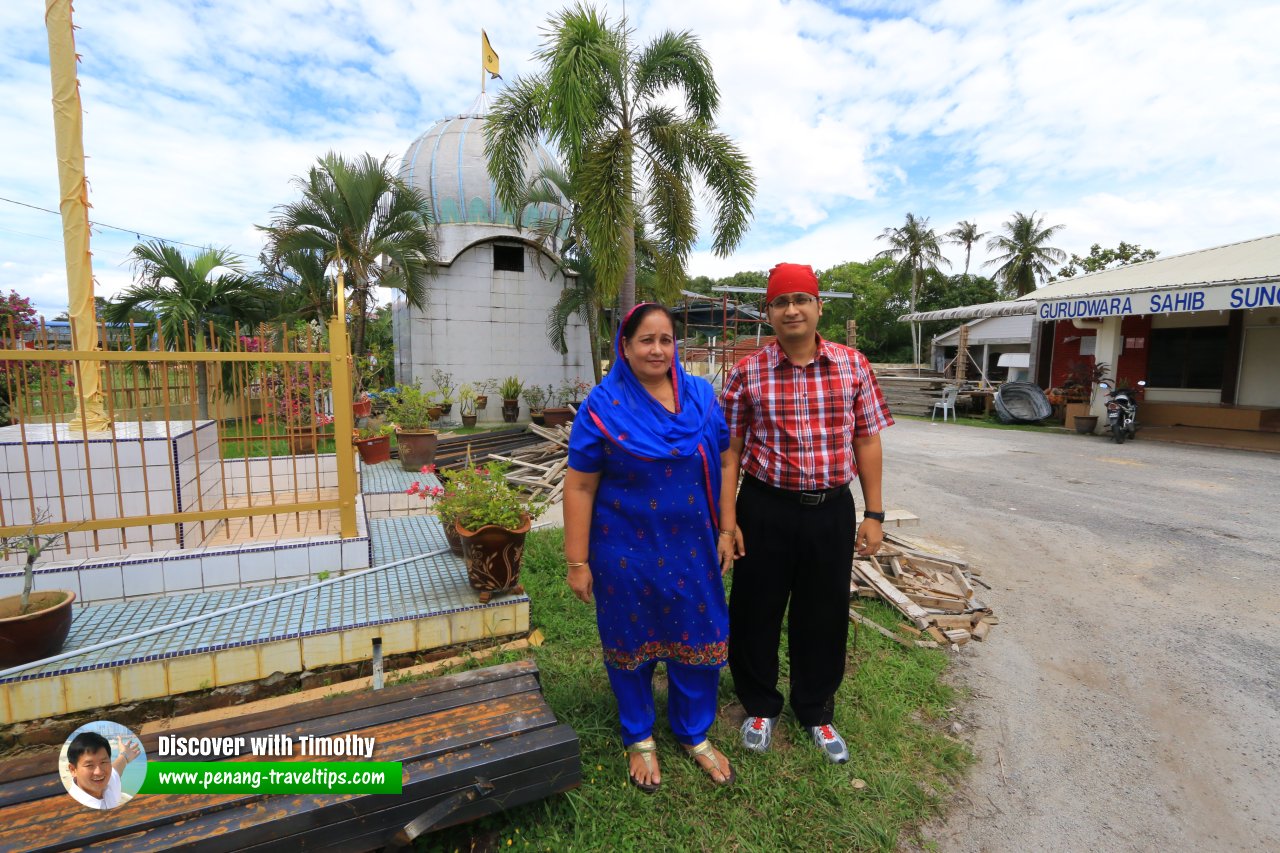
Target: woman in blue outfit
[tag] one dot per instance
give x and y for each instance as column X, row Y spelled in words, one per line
column 640, row 525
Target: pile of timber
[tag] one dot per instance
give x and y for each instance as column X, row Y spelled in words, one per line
column 452, row 452
column 933, row 591
column 908, row 393
column 539, row 468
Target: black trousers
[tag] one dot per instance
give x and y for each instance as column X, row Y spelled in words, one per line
column 800, row 555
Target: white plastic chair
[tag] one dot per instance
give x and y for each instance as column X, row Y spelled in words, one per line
column 947, row 403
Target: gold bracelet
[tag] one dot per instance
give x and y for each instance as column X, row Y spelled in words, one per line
column 573, row 564
column 731, row 532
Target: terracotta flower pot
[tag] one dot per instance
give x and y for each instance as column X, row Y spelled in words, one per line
column 303, row 439
column 469, row 420
column 362, row 408
column 446, row 407
column 482, row 400
column 492, row 555
column 1086, row 424
column 435, row 412
column 510, row 411
column 557, row 415
column 35, row 635
column 451, row 536
column 539, row 417
column 374, row 450
column 417, row 448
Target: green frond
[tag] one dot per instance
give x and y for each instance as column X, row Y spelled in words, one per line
column 677, row 60
column 728, row 178
column 512, row 128
column 605, row 182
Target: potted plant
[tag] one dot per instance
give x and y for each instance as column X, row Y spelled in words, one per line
column 484, row 388
column 569, row 393
column 1081, row 382
column 444, row 384
column 373, row 443
column 362, row 406
column 32, row 625
column 444, row 503
column 467, row 405
column 510, row 389
column 492, row 521
column 293, row 396
column 409, row 409
column 535, row 397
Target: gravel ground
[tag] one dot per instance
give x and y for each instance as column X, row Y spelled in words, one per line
column 1130, row 697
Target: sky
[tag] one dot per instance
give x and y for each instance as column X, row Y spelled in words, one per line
column 1152, row 121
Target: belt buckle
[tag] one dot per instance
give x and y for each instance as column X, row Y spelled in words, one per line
column 812, row 498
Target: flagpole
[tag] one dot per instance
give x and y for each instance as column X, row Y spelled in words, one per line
column 482, row 62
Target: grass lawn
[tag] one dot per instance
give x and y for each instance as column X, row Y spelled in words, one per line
column 889, row 709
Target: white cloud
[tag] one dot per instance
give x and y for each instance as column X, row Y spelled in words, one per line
column 1123, row 119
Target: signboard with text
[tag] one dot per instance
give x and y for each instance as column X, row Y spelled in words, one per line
column 1220, row 297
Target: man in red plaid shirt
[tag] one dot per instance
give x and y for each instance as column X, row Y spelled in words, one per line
column 804, row 421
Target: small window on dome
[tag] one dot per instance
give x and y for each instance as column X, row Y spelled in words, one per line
column 509, row 258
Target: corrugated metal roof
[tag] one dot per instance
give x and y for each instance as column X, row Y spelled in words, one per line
column 1008, row 308
column 1250, row 260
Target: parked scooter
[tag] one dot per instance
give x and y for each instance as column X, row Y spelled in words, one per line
column 1122, row 412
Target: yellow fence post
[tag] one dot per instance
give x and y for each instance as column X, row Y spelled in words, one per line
column 343, row 424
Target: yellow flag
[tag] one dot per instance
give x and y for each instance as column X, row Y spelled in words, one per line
column 488, row 57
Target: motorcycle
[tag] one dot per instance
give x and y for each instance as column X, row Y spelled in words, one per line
column 1122, row 412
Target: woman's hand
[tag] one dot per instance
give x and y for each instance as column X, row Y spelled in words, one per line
column 729, row 546
column 579, row 579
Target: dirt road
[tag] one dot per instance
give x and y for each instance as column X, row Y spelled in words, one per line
column 1130, row 697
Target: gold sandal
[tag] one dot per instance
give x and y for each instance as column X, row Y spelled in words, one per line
column 645, row 749
column 705, row 749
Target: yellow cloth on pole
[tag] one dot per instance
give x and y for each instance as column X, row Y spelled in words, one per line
column 74, row 203
column 488, row 56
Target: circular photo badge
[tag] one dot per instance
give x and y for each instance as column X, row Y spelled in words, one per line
column 102, row 765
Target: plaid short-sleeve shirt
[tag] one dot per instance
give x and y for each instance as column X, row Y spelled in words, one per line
column 799, row 422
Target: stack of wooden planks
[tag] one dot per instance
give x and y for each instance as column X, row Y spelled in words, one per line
column 933, row 591
column 539, row 468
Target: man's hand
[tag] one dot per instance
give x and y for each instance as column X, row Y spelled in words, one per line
column 580, row 582
column 870, row 535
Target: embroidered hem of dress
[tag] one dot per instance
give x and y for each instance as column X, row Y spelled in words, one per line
column 708, row 654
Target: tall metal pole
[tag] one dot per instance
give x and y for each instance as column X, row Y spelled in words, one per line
column 73, row 191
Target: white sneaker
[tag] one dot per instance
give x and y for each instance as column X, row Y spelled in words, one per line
column 829, row 741
column 757, row 733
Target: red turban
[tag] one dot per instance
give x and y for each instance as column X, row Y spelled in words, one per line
column 791, row 278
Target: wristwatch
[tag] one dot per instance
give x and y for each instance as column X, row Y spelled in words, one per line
column 876, row 516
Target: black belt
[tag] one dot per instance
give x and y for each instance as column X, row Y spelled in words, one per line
column 813, row 498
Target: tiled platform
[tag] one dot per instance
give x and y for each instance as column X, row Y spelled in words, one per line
column 423, row 604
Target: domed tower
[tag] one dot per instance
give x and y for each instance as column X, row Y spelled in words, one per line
column 487, row 308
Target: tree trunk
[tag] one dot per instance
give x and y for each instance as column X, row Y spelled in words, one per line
column 627, row 293
column 202, row 389
column 593, row 334
column 916, row 276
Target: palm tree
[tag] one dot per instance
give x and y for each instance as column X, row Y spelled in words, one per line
column 196, row 302
column 1025, row 256
column 301, row 277
column 965, row 234
column 914, row 250
column 548, row 209
column 378, row 226
column 629, row 153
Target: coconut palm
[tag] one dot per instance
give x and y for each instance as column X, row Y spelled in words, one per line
column 358, row 212
column 195, row 302
column 629, row 153
column 1025, row 257
column 914, row 250
column 303, row 280
column 965, row 234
